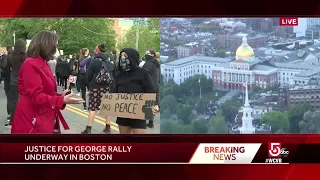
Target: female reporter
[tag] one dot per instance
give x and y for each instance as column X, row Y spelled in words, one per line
column 39, row 105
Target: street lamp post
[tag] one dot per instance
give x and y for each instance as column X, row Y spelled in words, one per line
column 137, row 39
column 14, row 37
column 200, row 87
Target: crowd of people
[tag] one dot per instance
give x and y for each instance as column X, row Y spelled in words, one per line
column 33, row 74
column 210, row 109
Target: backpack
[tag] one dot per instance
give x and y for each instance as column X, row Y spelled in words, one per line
column 3, row 62
column 106, row 74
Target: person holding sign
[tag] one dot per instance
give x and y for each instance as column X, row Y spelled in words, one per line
column 132, row 79
column 39, row 105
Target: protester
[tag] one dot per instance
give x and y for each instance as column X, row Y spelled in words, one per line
column 74, row 71
column 15, row 60
column 132, row 79
column 114, row 57
column 6, row 72
column 39, row 105
column 71, row 62
column 153, row 66
column 101, row 74
column 52, row 64
column 84, row 59
column 58, row 71
column 64, row 72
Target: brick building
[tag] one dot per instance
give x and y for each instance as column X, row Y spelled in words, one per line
column 231, row 42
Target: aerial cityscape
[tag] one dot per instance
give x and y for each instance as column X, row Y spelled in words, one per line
column 239, row 76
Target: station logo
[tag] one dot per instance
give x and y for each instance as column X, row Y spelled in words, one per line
column 276, row 152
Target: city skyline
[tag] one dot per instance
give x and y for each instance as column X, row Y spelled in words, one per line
column 230, row 52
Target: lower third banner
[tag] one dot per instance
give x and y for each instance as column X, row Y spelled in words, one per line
column 160, row 153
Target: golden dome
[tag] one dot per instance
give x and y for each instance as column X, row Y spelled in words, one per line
column 244, row 51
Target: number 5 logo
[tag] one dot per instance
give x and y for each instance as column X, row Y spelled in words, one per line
column 274, row 149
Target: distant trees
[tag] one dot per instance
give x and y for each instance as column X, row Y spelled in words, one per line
column 278, row 121
column 200, row 126
column 221, row 54
column 179, row 102
column 184, row 112
column 310, row 123
column 197, row 21
column 295, row 115
column 218, row 125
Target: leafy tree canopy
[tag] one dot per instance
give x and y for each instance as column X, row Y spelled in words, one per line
column 149, row 37
column 278, row 121
column 74, row 33
column 218, row 125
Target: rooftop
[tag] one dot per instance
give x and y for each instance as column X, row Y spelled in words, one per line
column 305, row 87
column 305, row 54
column 309, row 73
column 294, row 66
column 259, row 67
column 197, row 58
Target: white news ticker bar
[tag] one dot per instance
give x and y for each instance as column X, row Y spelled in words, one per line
column 127, row 163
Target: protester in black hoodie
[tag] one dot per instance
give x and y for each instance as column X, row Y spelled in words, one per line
column 15, row 60
column 58, row 71
column 64, row 73
column 153, row 66
column 132, row 79
column 100, row 61
column 6, row 72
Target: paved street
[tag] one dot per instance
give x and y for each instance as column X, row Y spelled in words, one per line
column 76, row 118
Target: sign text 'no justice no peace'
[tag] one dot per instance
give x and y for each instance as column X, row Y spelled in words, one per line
column 133, row 106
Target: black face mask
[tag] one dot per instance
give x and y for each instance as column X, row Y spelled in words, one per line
column 148, row 57
column 125, row 64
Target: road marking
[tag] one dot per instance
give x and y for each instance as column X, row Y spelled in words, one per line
column 97, row 117
column 97, row 120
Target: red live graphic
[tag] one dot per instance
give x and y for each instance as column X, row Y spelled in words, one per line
column 288, row 21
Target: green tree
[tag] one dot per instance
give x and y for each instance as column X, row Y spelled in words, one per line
column 230, row 108
column 278, row 121
column 200, row 126
column 296, row 115
column 169, row 127
column 310, row 123
column 165, row 114
column 161, row 80
column 149, row 37
column 200, row 107
column 221, row 54
column 184, row 112
column 170, row 103
column 218, row 125
column 197, row 21
column 74, row 33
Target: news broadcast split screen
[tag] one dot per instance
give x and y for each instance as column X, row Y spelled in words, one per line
column 93, row 56
column 218, row 75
